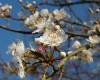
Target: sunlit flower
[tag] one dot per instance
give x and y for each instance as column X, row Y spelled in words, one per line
column 94, row 39
column 76, row 45
column 40, row 20
column 60, row 14
column 52, row 37
column 32, row 20
column 6, row 7
column 40, row 25
column 37, row 22
column 86, row 56
column 17, row 49
column 5, row 10
column 29, row 5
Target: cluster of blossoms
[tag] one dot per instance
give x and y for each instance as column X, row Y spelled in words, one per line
column 78, row 52
column 43, row 19
column 5, row 10
column 94, row 33
column 85, row 54
column 44, row 22
column 52, row 36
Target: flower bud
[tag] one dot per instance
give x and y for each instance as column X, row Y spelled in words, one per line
column 63, row 54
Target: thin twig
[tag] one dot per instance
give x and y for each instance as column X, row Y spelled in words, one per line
column 71, row 3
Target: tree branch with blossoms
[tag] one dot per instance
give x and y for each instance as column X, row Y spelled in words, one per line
column 48, row 57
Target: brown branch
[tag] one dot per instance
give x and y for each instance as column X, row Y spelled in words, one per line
column 76, row 34
column 75, row 23
column 71, row 3
column 30, row 32
column 17, row 31
column 13, row 18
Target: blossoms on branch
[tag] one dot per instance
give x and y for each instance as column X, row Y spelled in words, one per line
column 31, row 20
column 5, row 10
column 94, row 33
column 94, row 39
column 53, row 37
column 80, row 52
column 42, row 19
column 60, row 14
column 86, row 56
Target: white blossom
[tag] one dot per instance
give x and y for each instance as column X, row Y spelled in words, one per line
column 40, row 26
column 29, row 5
column 76, row 45
column 86, row 56
column 6, row 7
column 17, row 49
column 31, row 19
column 94, row 39
column 60, row 14
column 52, row 38
column 5, row 10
